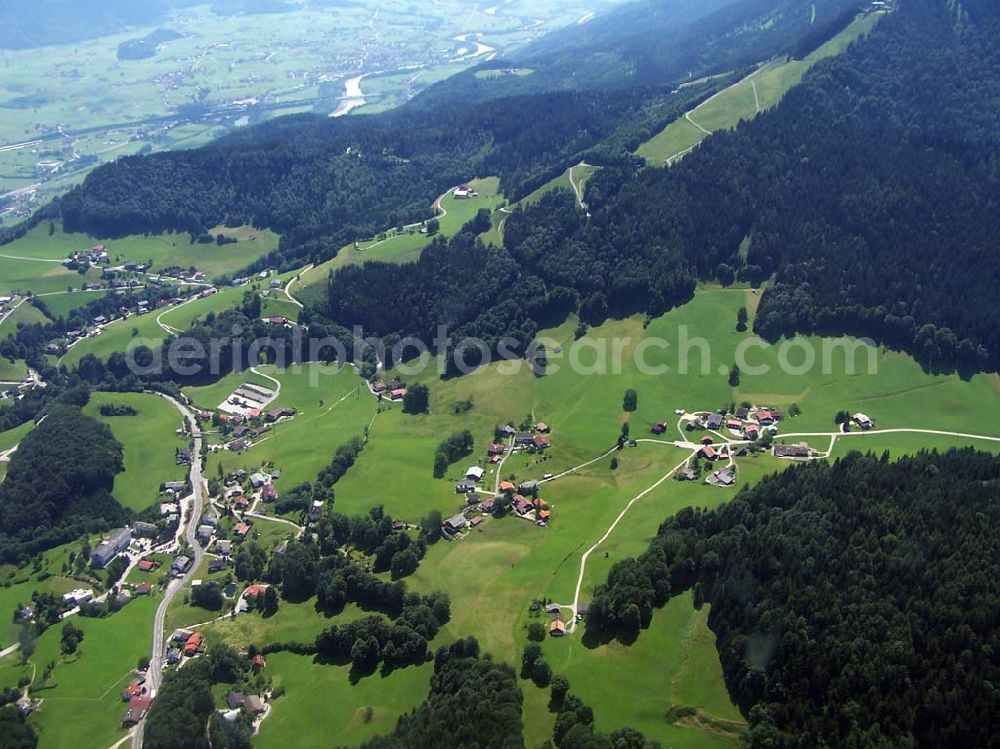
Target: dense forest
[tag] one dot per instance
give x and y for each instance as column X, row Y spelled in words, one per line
column 58, row 484
column 855, row 604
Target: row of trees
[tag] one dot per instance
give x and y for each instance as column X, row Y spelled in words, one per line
column 454, row 447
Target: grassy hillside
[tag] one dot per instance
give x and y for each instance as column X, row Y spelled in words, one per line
column 744, row 100
column 150, row 441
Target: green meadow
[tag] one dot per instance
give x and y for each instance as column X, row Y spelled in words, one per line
column 150, row 441
column 81, row 700
column 40, row 249
column 745, row 99
column 320, row 705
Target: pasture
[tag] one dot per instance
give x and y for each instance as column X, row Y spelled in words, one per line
column 150, row 442
column 744, row 100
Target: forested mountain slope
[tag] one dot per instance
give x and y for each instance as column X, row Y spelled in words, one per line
column 871, row 192
column 648, row 43
column 856, row 605
column 323, row 182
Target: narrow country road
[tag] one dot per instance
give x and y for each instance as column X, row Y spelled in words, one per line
column 155, row 671
column 725, row 442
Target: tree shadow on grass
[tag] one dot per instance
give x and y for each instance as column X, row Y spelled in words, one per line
column 594, row 638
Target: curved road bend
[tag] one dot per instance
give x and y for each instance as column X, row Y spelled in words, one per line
column 155, row 672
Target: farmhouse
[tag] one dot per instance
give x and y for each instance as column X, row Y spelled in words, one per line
column 277, row 413
column 456, row 524
column 528, row 487
column 708, row 452
column 558, row 626
column 486, row 506
column 792, row 451
column 253, row 592
column 524, row 439
column 268, row 493
column 240, row 530
column 540, row 443
column 464, row 192
column 863, row 421
column 474, row 473
column 725, row 477
column 137, row 709
column 507, row 486
column 767, row 417
column 193, row 644
column 496, row 449
column 751, row 432
column 465, row 486
column 713, row 421
column 522, row 505
column 257, row 480
column 542, row 427
column 147, row 565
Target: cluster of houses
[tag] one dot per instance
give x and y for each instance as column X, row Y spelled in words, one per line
column 523, row 497
column 184, row 644
column 246, row 427
column 394, row 390
column 96, row 255
column 172, row 492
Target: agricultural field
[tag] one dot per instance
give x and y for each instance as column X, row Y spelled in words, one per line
column 394, row 246
column 744, row 100
column 150, row 442
column 350, row 712
column 80, row 104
